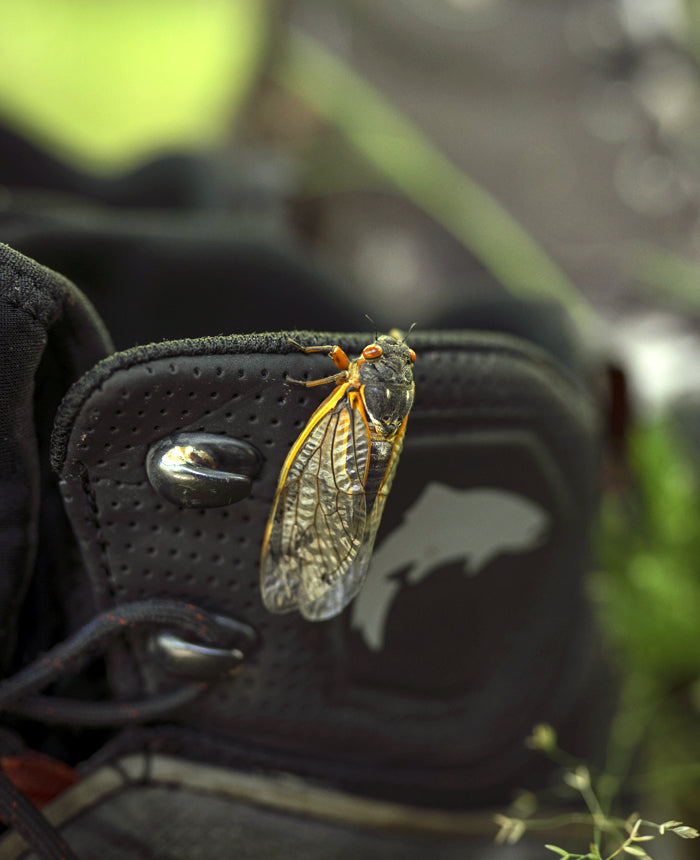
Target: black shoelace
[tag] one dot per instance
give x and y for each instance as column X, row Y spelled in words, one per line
column 19, row 695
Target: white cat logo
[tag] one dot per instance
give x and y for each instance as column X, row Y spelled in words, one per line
column 444, row 526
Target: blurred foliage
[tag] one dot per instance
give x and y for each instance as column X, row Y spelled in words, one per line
column 407, row 159
column 648, row 590
column 667, row 279
column 107, row 83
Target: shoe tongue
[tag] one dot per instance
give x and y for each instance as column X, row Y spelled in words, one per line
column 457, row 643
column 49, row 335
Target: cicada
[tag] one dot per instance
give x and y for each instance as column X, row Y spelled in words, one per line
column 335, row 481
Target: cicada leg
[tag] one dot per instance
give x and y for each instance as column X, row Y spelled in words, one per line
column 340, row 359
column 336, row 377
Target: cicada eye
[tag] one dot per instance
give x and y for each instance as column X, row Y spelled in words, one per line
column 372, row 351
column 412, row 355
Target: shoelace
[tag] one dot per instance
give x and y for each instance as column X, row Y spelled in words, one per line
column 18, row 695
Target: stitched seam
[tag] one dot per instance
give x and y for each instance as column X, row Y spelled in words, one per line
column 100, row 538
column 103, row 543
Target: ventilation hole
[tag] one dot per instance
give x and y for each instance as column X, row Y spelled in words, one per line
column 214, row 395
column 171, row 368
column 275, row 422
column 270, row 443
column 196, row 371
column 258, row 397
column 147, row 394
column 253, row 419
column 151, row 550
column 241, row 373
column 149, row 369
column 174, row 552
column 264, row 373
column 282, row 400
column 235, row 395
column 168, row 393
column 192, row 395
column 185, row 412
column 219, row 371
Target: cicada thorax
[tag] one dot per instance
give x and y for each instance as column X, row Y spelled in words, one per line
column 386, row 384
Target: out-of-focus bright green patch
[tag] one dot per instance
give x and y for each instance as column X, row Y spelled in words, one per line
column 649, row 587
column 105, row 82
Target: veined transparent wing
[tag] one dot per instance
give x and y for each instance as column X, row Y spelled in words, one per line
column 384, row 460
column 317, row 529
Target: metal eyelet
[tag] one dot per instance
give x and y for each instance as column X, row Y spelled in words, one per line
column 203, row 662
column 202, row 470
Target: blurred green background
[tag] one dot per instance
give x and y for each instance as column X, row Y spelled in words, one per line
column 105, row 84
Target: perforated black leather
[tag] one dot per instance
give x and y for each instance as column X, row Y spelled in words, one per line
column 468, row 663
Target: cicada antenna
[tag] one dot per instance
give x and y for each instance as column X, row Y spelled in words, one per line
column 374, row 326
column 406, row 336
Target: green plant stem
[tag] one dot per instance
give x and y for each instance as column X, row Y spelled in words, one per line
column 406, row 157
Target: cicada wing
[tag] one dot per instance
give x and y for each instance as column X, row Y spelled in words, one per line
column 336, row 597
column 318, row 521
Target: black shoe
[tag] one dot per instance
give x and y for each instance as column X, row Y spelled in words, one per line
column 394, row 729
